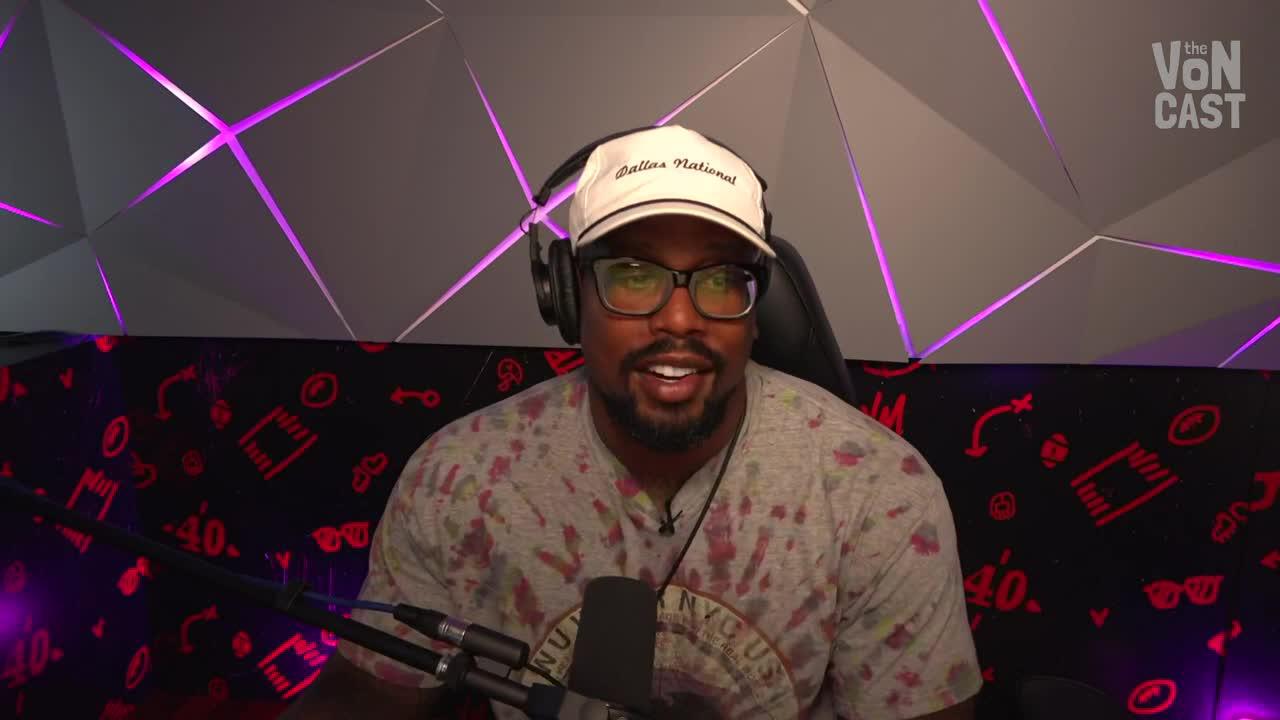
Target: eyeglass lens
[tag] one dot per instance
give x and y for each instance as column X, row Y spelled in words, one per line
column 636, row 287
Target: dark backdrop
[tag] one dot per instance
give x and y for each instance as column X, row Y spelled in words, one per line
column 1117, row 525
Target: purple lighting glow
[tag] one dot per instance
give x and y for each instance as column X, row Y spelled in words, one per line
column 28, row 215
column 8, row 27
column 964, row 327
column 996, row 30
column 1250, row 342
column 227, row 135
column 890, row 287
column 1234, row 260
column 295, row 96
column 502, row 137
column 110, row 295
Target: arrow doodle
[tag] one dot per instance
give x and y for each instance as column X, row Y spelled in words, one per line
column 205, row 615
column 186, row 374
column 977, row 449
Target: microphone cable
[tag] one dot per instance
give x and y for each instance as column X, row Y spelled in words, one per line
column 705, row 505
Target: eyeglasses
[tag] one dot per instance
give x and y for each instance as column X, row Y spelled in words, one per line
column 638, row 288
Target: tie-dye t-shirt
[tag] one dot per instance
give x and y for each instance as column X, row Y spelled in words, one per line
column 823, row 583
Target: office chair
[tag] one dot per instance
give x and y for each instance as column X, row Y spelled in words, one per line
column 1048, row 697
column 795, row 335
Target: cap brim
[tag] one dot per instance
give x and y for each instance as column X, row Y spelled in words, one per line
column 674, row 207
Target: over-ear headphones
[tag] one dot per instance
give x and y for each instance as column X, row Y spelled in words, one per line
column 555, row 281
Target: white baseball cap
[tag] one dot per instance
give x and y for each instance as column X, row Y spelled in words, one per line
column 669, row 170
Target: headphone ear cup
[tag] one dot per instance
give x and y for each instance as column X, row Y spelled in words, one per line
column 564, row 289
column 542, row 288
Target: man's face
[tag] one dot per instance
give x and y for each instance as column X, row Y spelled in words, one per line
column 620, row 351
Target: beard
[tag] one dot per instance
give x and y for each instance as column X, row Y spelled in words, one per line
column 666, row 434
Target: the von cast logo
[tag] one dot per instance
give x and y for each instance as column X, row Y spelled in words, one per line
column 1198, row 78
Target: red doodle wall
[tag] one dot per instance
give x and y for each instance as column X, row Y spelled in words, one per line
column 1117, row 526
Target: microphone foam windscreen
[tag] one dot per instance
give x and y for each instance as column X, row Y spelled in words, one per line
column 614, row 651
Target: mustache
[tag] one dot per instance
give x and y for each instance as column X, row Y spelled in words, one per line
column 692, row 346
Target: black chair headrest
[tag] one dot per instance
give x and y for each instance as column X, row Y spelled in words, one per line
column 795, row 335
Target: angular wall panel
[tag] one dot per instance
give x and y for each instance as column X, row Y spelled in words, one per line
column 212, row 231
column 1232, row 210
column 24, row 241
column 1095, row 76
column 35, row 165
column 66, row 287
column 124, row 129
column 977, row 92
column 1140, row 296
column 562, row 74
column 959, row 228
column 1045, row 323
column 237, row 56
column 396, row 189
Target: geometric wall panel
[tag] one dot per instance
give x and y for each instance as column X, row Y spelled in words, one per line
column 24, row 241
column 237, row 56
column 817, row 208
column 498, row 302
column 1147, row 307
column 1262, row 351
column 977, row 93
column 35, row 164
column 1232, row 210
column 1045, row 323
column 559, row 75
column 423, row 154
column 124, row 129
column 1096, row 80
column 959, row 228
column 67, row 285
column 233, row 250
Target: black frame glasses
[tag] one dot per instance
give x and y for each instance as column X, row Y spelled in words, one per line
column 679, row 279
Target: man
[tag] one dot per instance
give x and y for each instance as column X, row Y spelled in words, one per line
column 823, row 579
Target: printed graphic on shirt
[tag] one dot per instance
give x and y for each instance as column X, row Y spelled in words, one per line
column 710, row 661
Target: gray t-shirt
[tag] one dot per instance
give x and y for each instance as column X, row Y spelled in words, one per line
column 824, row 581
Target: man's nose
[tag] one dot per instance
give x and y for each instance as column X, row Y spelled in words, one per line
column 678, row 316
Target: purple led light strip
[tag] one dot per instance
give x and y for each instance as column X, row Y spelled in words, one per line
column 111, row 297
column 1235, row 260
column 28, row 215
column 964, row 327
column 1251, row 342
column 996, row 30
column 13, row 20
column 1247, row 263
column 543, row 214
column 227, row 135
column 891, row 287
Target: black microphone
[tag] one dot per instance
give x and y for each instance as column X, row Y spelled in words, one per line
column 616, row 641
